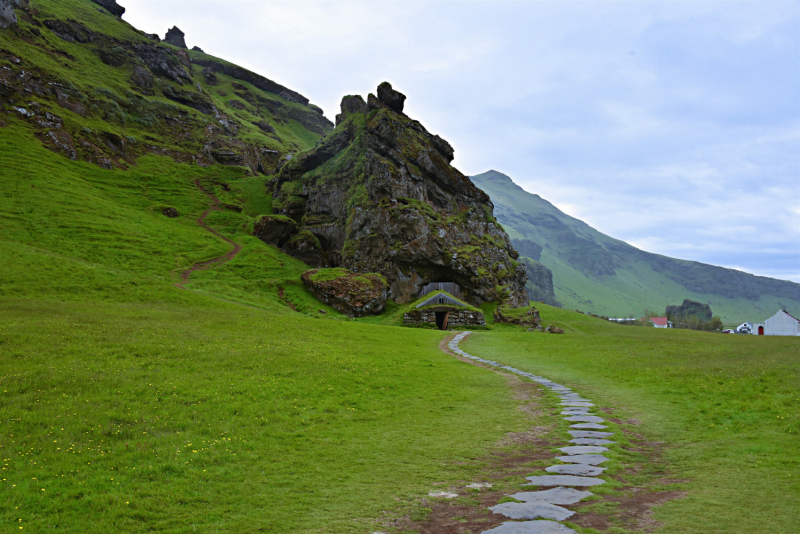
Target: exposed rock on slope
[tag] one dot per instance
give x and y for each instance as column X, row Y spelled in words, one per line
column 353, row 294
column 379, row 195
column 112, row 6
column 8, row 18
column 170, row 107
column 175, row 37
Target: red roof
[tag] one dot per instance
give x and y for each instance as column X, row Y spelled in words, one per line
column 659, row 321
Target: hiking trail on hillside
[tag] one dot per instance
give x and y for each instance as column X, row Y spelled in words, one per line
column 203, row 265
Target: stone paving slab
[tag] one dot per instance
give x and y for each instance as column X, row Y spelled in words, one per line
column 591, row 441
column 588, row 459
column 581, row 470
column 564, row 480
column 532, row 510
column 588, row 426
column 530, row 527
column 582, row 449
column 575, row 411
column 585, row 419
column 589, row 434
column 577, row 404
column 559, row 495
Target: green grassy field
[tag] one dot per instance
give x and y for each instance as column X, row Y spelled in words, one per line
column 220, row 418
column 727, row 409
column 242, row 404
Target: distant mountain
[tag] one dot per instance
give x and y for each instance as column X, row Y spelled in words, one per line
column 593, row 272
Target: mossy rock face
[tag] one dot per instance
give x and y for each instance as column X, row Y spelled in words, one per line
column 527, row 316
column 275, row 230
column 356, row 295
column 381, row 196
column 305, row 247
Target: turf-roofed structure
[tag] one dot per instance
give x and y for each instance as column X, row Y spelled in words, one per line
column 444, row 311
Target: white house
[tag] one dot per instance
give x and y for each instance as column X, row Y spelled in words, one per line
column 661, row 322
column 745, row 328
column 781, row 324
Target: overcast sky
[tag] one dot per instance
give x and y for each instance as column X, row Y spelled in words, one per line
column 674, row 126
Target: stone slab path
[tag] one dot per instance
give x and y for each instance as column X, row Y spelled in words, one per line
column 531, row 527
column 577, row 469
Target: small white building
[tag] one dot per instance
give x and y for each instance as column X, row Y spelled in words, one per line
column 660, row 322
column 745, row 328
column 781, row 324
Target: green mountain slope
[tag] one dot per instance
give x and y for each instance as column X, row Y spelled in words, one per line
column 596, row 273
column 104, row 131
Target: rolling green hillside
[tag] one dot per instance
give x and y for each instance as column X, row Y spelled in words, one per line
column 595, row 273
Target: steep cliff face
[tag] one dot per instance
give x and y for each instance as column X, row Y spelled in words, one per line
column 379, row 195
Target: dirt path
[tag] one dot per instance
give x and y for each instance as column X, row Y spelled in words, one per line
column 203, row 265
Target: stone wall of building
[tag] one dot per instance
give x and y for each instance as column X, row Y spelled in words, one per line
column 459, row 317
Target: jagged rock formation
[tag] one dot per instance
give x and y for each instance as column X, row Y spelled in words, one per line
column 379, row 195
column 175, row 37
column 356, row 295
column 111, row 6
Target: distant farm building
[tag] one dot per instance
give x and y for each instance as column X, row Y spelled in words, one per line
column 745, row 328
column 780, row 324
column 444, row 311
column 660, row 322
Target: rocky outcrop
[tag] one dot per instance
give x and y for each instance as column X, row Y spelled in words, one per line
column 351, row 104
column 275, row 230
column 8, row 19
column 162, row 61
column 198, row 49
column 70, row 31
column 175, row 37
column 394, row 99
column 540, row 282
column 380, row 195
column 111, row 6
column 286, row 234
column 553, row 330
column 142, row 79
column 689, row 309
column 356, row 295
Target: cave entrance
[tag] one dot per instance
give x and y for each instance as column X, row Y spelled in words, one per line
column 441, row 320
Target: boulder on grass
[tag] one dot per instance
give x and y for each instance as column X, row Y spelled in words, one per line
column 353, row 294
column 528, row 317
column 553, row 330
